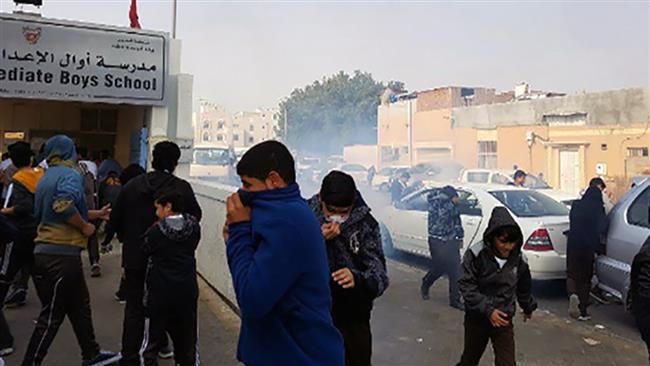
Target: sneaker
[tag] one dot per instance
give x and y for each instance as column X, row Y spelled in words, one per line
column 6, row 351
column 584, row 317
column 166, row 353
column 104, row 358
column 120, row 298
column 458, row 305
column 95, row 270
column 574, row 312
column 16, row 299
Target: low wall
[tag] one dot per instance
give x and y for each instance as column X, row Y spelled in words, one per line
column 211, row 253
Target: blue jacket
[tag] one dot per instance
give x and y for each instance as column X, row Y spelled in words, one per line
column 281, row 277
column 443, row 217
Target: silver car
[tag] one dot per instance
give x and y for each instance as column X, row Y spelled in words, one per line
column 628, row 230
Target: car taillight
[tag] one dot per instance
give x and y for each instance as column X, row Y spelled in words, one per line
column 539, row 241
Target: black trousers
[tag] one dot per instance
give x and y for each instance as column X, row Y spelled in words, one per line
column 357, row 339
column 478, row 331
column 15, row 256
column 445, row 259
column 93, row 249
column 61, row 287
column 178, row 318
column 580, row 270
column 134, row 316
column 641, row 312
column 21, row 282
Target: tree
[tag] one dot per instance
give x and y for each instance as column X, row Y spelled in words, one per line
column 336, row 111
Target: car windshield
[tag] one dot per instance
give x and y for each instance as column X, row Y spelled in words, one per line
column 211, row 156
column 535, row 183
column 477, row 177
column 386, row 171
column 353, row 168
column 524, row 203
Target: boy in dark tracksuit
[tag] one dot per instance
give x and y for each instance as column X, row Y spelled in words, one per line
column 8, row 235
column 495, row 275
column 356, row 261
column 171, row 292
column 19, row 211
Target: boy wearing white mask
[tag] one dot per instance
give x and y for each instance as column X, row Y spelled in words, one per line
column 356, row 260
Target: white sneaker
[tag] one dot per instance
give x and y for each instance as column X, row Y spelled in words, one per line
column 6, row 351
column 574, row 312
column 584, row 318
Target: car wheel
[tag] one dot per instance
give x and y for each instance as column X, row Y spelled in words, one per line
column 386, row 240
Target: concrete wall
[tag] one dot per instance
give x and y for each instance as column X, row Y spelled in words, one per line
column 211, row 253
column 624, row 107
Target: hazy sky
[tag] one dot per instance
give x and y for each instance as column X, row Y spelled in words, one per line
column 249, row 54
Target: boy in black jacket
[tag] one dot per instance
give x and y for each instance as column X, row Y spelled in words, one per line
column 356, row 260
column 19, row 210
column 171, row 292
column 495, row 275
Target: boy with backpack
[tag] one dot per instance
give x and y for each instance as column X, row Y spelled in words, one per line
column 495, row 276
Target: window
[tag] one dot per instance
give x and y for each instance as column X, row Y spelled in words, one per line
column 637, row 152
column 469, row 204
column 487, row 154
column 206, row 137
column 500, row 179
column 524, row 203
column 219, row 137
column 221, row 124
column 637, row 214
column 251, row 140
column 235, row 137
column 478, row 177
column 206, row 124
column 573, row 119
column 99, row 120
column 251, row 128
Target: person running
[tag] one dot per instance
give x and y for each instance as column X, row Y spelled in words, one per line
column 495, row 277
column 445, row 241
column 398, row 186
column 19, row 209
column 278, row 262
column 587, row 222
column 172, row 290
column 356, row 262
column 130, row 172
column 8, row 236
column 63, row 231
column 88, row 171
column 133, row 214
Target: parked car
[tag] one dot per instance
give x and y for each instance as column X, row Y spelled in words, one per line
column 382, row 179
column 506, row 177
column 357, row 171
column 628, row 230
column 542, row 220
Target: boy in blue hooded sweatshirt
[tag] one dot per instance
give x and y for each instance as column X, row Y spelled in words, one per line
column 279, row 267
column 63, row 230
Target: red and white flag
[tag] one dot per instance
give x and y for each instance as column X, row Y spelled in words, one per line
column 133, row 15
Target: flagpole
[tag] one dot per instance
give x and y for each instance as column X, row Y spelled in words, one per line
column 174, row 19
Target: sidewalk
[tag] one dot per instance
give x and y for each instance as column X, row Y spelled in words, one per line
column 218, row 325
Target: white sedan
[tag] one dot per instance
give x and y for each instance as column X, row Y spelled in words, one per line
column 543, row 222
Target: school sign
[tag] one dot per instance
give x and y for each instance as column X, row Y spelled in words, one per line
column 59, row 60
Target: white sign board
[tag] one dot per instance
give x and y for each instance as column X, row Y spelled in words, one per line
column 45, row 59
